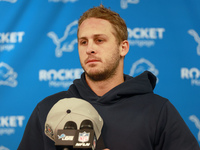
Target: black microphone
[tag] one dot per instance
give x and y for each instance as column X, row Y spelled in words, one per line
column 65, row 138
column 70, row 125
column 86, row 124
column 85, row 137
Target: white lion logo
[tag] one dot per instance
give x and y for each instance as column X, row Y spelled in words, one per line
column 196, row 38
column 7, row 75
column 124, row 3
column 142, row 65
column 196, row 121
column 63, row 44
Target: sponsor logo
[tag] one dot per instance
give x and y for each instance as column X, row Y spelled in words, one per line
column 11, row 1
column 60, row 78
column 9, row 39
column 7, row 75
column 83, row 137
column 196, row 38
column 9, row 123
column 196, row 121
column 3, row 148
column 67, row 42
column 63, row 137
column 142, row 65
column 124, row 3
column 144, row 36
column 64, row 1
column 192, row 74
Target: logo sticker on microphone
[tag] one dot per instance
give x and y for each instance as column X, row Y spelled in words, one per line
column 84, row 137
column 64, row 137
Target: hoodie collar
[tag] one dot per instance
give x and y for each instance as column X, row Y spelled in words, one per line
column 144, row 83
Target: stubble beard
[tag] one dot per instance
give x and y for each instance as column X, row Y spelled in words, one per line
column 108, row 71
column 102, row 75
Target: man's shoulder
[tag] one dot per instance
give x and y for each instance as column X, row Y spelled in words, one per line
column 154, row 98
column 44, row 106
column 49, row 101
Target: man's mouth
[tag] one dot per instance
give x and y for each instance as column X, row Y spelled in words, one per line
column 92, row 60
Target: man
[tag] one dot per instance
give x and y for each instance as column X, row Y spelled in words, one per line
column 134, row 117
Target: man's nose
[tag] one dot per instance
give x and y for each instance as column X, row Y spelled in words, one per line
column 90, row 48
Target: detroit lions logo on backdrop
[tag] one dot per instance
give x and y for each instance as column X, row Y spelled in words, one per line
column 7, row 75
column 67, row 42
column 11, row 1
column 124, row 3
column 3, row 148
column 64, row 1
column 142, row 65
column 196, row 38
column 196, row 121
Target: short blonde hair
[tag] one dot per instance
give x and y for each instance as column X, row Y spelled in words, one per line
column 114, row 18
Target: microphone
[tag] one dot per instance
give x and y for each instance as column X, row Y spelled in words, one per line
column 85, row 137
column 86, row 124
column 64, row 118
column 70, row 125
column 65, row 137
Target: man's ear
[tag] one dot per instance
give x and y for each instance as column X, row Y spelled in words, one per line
column 124, row 48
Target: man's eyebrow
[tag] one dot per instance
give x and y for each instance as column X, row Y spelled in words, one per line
column 95, row 35
column 82, row 38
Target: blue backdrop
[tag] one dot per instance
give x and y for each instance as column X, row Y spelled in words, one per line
column 38, row 54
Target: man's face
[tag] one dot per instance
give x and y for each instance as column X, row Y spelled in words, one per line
column 98, row 49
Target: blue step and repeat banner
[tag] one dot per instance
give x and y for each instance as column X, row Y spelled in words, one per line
column 38, row 54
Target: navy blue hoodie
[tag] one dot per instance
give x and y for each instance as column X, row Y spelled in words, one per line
column 134, row 117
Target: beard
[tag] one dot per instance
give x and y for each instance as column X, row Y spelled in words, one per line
column 107, row 71
column 104, row 74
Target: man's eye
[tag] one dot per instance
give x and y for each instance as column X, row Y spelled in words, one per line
column 83, row 42
column 99, row 40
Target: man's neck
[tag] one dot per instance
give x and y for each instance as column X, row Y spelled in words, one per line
column 102, row 87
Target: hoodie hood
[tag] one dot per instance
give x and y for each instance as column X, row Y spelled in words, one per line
column 144, row 83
